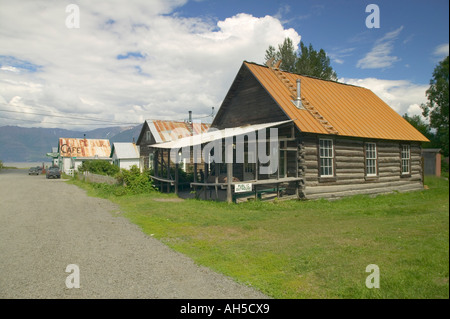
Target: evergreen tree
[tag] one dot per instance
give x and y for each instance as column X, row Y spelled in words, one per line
column 306, row 62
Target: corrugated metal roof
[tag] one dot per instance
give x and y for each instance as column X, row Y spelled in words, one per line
column 125, row 150
column 351, row 110
column 79, row 147
column 214, row 135
column 166, row 131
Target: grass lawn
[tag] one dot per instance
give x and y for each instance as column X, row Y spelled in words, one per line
column 310, row 249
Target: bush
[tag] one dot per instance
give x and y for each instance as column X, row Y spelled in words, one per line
column 99, row 167
column 1, row 165
column 134, row 181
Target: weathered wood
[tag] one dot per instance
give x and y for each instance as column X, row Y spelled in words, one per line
column 310, row 158
column 342, row 176
column 346, row 158
column 347, row 141
column 342, row 171
column 311, row 164
column 176, row 178
column 388, row 149
column 383, row 190
column 357, row 188
column 349, row 153
column 389, row 160
column 389, row 154
column 229, row 181
column 247, row 102
column 389, row 164
column 310, row 152
column 350, row 165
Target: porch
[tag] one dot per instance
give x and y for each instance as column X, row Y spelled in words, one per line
column 232, row 164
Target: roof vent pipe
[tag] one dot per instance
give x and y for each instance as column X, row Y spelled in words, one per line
column 298, row 101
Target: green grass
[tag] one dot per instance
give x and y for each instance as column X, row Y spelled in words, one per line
column 310, row 249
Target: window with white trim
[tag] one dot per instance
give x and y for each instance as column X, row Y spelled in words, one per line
column 326, row 156
column 371, row 159
column 406, row 159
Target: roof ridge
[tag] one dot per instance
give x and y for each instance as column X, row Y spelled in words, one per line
column 309, row 76
column 307, row 105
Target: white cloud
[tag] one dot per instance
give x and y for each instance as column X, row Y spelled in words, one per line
column 380, row 55
column 338, row 55
column 441, row 51
column 401, row 95
column 127, row 61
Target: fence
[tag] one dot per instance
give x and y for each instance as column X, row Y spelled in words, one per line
column 96, row 178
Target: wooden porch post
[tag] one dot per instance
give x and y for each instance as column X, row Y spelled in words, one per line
column 229, row 181
column 176, row 178
column 168, row 170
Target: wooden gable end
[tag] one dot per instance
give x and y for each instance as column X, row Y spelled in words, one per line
column 247, row 102
column 142, row 139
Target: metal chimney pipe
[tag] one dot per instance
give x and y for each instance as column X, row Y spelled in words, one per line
column 190, row 116
column 298, row 101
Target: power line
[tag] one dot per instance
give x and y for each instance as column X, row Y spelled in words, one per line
column 60, row 123
column 71, row 117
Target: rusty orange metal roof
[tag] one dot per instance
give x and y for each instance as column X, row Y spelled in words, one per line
column 80, row 147
column 166, row 131
column 350, row 110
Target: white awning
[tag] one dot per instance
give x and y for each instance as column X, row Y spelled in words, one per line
column 216, row 135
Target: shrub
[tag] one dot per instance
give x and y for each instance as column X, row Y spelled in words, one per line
column 101, row 167
column 134, row 181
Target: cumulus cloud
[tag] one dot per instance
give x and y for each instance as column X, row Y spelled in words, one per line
column 126, row 62
column 401, row 95
column 380, row 55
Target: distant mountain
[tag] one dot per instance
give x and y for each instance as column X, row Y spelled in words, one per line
column 23, row 144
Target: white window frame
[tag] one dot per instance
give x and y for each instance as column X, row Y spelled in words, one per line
column 371, row 159
column 326, row 157
column 406, row 159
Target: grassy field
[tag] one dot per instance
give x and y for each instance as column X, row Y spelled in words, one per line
column 309, row 249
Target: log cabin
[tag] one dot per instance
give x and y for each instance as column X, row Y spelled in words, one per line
column 334, row 139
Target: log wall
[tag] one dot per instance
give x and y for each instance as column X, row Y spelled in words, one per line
column 349, row 169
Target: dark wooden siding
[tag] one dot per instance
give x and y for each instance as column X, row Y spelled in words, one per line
column 143, row 144
column 247, row 102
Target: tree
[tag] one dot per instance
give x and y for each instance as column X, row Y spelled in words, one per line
column 285, row 53
column 436, row 109
column 306, row 62
column 423, row 128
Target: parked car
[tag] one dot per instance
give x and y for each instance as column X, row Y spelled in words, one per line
column 33, row 171
column 39, row 168
column 53, row 172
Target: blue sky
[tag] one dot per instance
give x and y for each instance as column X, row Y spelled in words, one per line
column 339, row 28
column 158, row 59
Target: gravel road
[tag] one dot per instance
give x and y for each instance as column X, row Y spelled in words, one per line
column 46, row 225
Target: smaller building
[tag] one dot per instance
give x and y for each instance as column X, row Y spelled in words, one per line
column 431, row 161
column 74, row 151
column 125, row 155
column 162, row 131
